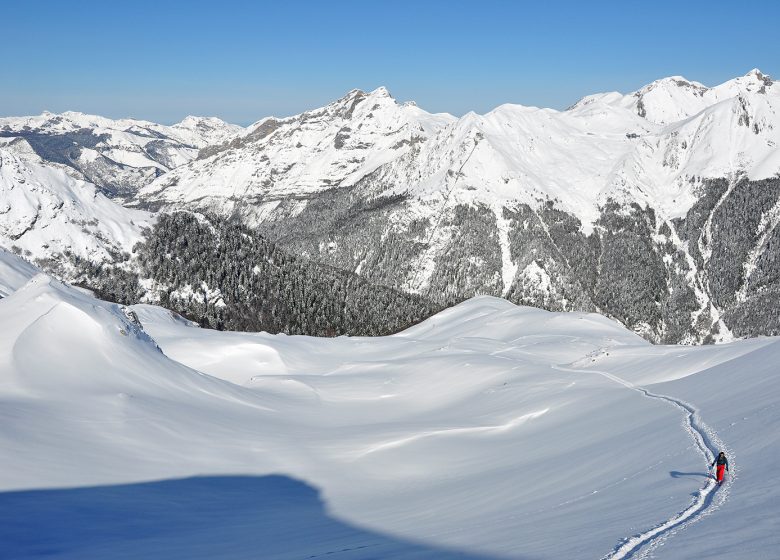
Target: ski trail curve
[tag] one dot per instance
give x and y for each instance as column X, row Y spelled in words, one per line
column 706, row 441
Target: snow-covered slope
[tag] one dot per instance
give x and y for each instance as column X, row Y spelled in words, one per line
column 490, row 430
column 45, row 213
column 117, row 155
column 15, row 272
column 200, row 131
column 299, row 156
column 595, row 151
column 667, row 192
column 673, row 99
column 605, row 146
column 658, row 208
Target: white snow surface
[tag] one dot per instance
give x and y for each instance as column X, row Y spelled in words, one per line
column 125, row 140
column 296, row 156
column 44, row 211
column 487, row 431
column 603, row 147
column 675, row 98
column 15, row 272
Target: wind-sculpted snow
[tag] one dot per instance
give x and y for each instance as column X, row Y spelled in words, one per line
column 461, row 434
column 737, row 398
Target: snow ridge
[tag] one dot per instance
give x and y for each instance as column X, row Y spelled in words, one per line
column 704, row 501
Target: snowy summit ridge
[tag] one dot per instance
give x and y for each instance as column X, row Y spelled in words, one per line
column 540, row 206
column 576, row 157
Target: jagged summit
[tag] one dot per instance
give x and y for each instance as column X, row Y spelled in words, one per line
column 759, row 75
column 675, row 98
column 672, row 81
column 336, row 144
column 364, row 181
column 380, row 91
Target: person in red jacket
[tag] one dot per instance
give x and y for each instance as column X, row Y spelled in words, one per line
column 723, row 465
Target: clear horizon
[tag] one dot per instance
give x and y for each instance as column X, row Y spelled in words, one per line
column 243, row 61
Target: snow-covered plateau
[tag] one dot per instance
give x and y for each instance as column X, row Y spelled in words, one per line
column 488, row 431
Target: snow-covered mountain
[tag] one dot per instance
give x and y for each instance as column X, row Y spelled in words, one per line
column 487, row 431
column 658, row 207
column 119, row 156
column 298, row 157
column 673, row 99
column 578, row 158
column 49, row 216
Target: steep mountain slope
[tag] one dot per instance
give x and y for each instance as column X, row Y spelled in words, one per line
column 658, row 208
column 630, row 205
column 227, row 276
column 119, row 156
column 488, row 430
column 49, row 216
column 293, row 158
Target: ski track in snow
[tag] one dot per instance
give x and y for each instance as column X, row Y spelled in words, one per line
column 704, row 501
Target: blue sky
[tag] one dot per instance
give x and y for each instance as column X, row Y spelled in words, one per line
column 238, row 60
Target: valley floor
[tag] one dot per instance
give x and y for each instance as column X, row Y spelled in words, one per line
column 488, row 431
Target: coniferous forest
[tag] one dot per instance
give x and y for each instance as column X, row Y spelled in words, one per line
column 224, row 275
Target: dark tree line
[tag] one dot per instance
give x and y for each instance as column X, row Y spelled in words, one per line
column 226, row 276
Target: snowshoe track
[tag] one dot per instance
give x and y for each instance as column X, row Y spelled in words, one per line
column 705, row 501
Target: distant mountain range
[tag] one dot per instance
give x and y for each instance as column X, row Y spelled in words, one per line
column 658, row 208
column 118, row 156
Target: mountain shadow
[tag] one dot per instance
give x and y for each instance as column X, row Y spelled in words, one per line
column 225, row 517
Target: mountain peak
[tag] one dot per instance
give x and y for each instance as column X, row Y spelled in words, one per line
column 194, row 120
column 381, row 91
column 357, row 93
column 673, row 82
column 759, row 76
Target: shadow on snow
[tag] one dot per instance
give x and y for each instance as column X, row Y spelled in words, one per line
column 678, row 474
column 226, row 517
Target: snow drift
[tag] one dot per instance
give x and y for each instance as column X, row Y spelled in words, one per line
column 490, row 430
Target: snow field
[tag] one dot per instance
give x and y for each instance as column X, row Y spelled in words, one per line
column 482, row 430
